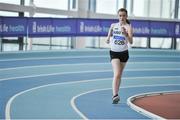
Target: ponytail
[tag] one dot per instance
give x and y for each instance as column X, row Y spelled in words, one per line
column 127, row 21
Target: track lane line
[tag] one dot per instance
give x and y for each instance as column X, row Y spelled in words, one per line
column 150, row 115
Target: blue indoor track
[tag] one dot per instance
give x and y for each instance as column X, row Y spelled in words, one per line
column 76, row 84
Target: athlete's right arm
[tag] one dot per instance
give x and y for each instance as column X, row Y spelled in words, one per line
column 109, row 34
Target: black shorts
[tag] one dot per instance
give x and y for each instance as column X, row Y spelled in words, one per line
column 122, row 56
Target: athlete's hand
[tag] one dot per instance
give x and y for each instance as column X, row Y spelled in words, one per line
column 124, row 31
column 107, row 41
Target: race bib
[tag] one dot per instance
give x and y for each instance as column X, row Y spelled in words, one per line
column 119, row 40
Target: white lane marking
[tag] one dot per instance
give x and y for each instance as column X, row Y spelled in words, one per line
column 49, row 58
column 74, row 57
column 36, row 66
column 91, row 91
column 75, row 97
column 88, row 50
column 55, row 65
column 90, row 71
column 52, row 74
column 8, row 105
column 143, row 111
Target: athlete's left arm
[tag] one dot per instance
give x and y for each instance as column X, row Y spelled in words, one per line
column 129, row 34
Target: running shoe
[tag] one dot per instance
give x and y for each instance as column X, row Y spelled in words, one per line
column 116, row 99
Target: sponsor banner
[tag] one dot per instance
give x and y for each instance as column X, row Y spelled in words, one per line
column 40, row 27
column 161, row 29
column 105, row 25
column 13, row 26
column 140, row 28
column 52, row 27
column 64, row 27
column 0, row 26
column 89, row 27
column 177, row 29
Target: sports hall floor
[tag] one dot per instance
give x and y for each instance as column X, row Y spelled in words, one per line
column 76, row 84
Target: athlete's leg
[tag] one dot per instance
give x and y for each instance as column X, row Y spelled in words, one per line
column 118, row 68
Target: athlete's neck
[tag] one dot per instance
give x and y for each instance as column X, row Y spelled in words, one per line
column 122, row 23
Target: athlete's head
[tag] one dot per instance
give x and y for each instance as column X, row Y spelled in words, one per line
column 123, row 14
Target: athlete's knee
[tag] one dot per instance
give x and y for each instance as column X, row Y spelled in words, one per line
column 117, row 76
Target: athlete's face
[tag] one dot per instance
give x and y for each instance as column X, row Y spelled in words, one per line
column 122, row 16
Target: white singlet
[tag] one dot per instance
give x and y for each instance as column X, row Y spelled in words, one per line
column 118, row 41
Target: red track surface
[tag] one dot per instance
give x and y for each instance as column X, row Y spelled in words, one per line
column 166, row 105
